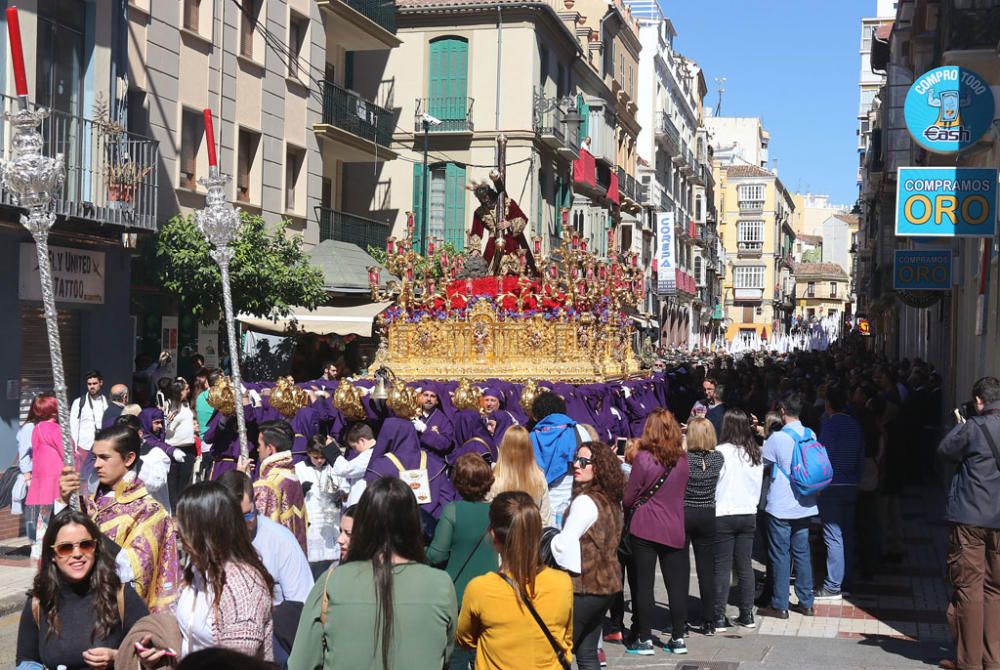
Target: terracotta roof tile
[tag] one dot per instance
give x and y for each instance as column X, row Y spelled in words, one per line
column 809, row 239
column 819, row 270
column 747, row 171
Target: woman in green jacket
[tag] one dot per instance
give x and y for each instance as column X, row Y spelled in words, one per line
column 382, row 608
column 461, row 538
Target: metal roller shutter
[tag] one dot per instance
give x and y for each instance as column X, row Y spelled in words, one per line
column 36, row 370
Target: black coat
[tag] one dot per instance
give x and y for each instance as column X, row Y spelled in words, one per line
column 975, row 488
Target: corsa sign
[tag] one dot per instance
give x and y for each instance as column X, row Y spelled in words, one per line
column 948, row 109
column 946, row 202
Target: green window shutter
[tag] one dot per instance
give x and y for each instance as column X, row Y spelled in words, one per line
column 583, row 109
column 454, row 216
column 449, row 65
column 418, row 199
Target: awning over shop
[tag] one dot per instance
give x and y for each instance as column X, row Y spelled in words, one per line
column 356, row 320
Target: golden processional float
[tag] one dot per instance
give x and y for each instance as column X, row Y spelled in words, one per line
column 510, row 313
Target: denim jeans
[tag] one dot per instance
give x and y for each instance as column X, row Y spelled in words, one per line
column 788, row 542
column 734, row 542
column 836, row 510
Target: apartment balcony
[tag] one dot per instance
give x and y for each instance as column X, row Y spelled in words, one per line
column 749, row 249
column 358, row 129
column 552, row 128
column 361, row 25
column 667, row 133
column 967, row 28
column 455, row 115
column 751, row 206
column 111, row 175
column 344, row 227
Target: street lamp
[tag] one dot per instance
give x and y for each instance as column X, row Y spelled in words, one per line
column 34, row 179
column 220, row 222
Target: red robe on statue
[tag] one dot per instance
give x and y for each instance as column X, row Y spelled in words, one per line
column 484, row 220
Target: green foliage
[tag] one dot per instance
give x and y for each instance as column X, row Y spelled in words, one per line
column 269, row 273
column 813, row 256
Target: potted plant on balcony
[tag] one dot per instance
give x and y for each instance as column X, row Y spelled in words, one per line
column 122, row 179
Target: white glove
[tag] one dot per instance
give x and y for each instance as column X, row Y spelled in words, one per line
column 179, row 455
column 366, row 390
column 419, row 425
column 254, row 399
column 627, row 391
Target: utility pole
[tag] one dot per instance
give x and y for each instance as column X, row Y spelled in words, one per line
column 426, row 197
column 719, row 81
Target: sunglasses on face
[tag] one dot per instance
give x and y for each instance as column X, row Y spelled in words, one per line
column 583, row 461
column 66, row 549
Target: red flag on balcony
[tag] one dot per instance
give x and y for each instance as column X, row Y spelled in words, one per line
column 585, row 169
column 613, row 194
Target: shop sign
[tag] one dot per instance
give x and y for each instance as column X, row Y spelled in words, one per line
column 208, row 342
column 948, row 109
column 946, row 202
column 666, row 269
column 921, row 270
column 78, row 275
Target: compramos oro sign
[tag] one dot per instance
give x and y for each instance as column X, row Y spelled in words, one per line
column 948, row 109
column 946, row 202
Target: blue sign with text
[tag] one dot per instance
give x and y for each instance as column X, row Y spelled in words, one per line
column 948, row 109
column 946, row 202
column 928, row 270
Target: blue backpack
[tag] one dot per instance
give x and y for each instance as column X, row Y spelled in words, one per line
column 811, row 470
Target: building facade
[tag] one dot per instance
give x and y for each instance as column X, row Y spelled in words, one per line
column 75, row 62
column 821, row 291
column 954, row 330
column 755, row 213
column 870, row 80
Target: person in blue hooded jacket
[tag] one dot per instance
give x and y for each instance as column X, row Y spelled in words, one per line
column 555, row 438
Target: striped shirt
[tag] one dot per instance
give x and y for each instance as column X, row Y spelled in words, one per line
column 704, row 468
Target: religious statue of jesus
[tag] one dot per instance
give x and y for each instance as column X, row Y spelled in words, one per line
column 507, row 250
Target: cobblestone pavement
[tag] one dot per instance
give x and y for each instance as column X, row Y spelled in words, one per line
column 895, row 620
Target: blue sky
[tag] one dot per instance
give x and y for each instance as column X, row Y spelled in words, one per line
column 795, row 63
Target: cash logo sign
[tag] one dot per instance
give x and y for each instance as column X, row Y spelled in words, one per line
column 947, row 109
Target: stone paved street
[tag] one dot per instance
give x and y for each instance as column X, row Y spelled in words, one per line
column 894, row 621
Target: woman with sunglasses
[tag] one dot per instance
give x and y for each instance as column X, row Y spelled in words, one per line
column 76, row 584
column 587, row 546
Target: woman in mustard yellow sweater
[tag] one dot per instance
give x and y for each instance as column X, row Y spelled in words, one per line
column 499, row 609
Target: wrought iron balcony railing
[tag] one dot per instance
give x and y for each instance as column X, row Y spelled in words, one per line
column 454, row 114
column 344, row 227
column 349, row 111
column 667, row 132
column 379, row 11
column 111, row 175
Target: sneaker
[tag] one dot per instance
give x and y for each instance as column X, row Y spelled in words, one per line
column 826, row 594
column 614, row 636
column 745, row 619
column 675, row 647
column 639, row 647
column 722, row 624
column 708, row 629
column 602, row 658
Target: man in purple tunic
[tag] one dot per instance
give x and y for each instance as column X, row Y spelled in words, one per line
column 397, row 453
column 436, row 432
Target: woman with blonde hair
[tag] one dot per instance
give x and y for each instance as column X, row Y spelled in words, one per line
column 704, row 466
column 522, row 615
column 517, row 470
column 654, row 510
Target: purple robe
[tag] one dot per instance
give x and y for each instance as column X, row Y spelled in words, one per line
column 399, row 438
column 504, row 420
column 305, row 424
column 223, row 435
column 277, row 494
column 133, row 520
column 150, row 438
column 438, row 437
column 472, row 437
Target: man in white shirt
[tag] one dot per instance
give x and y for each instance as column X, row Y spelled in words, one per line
column 85, row 417
column 361, row 439
column 788, row 517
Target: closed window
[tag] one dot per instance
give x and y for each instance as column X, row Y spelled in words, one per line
column 751, row 196
column 448, row 81
column 748, row 276
column 750, row 236
column 446, row 195
column 833, row 289
column 294, row 158
column 298, row 26
column 192, row 132
column 248, row 25
column 192, row 8
column 811, row 289
column 246, row 159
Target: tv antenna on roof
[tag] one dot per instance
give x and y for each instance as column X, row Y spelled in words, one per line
column 719, row 81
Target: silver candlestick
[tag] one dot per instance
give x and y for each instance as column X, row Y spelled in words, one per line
column 33, row 179
column 220, row 222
